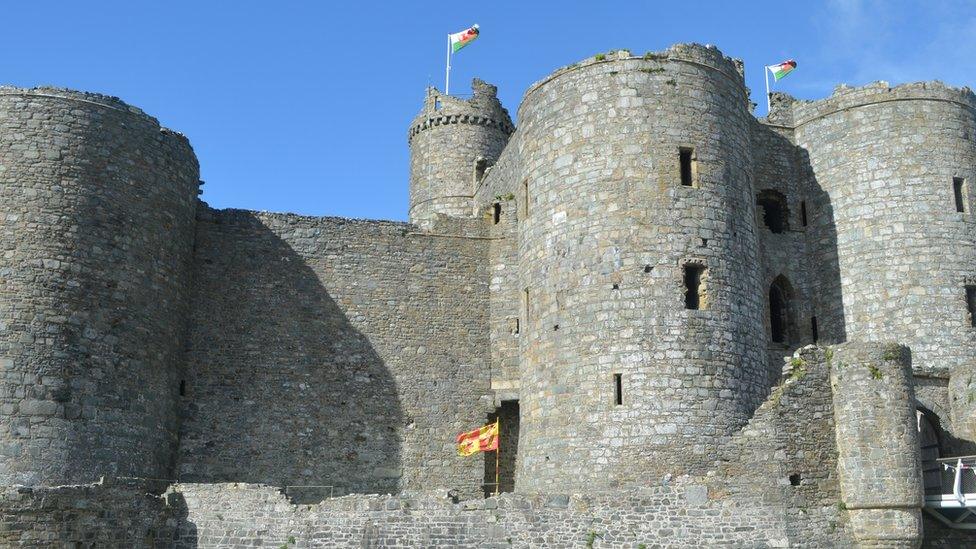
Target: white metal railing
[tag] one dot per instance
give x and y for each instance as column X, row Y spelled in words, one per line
column 952, row 498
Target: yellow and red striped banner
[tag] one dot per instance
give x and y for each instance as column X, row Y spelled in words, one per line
column 482, row 439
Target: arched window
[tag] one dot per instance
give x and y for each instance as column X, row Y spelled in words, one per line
column 780, row 315
column 775, row 212
column 928, row 440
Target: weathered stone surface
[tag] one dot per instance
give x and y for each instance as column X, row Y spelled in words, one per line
column 255, row 362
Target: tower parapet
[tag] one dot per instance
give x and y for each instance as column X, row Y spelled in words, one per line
column 453, row 141
column 97, row 235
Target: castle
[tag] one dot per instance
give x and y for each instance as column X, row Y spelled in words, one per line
column 697, row 328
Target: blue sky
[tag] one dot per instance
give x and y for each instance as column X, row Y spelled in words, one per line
column 304, row 106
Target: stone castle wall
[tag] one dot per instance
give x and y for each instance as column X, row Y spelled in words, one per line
column 776, row 488
column 779, row 173
column 96, row 233
column 335, row 352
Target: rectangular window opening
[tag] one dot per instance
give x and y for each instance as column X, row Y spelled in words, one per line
column 971, row 304
column 960, row 193
column 182, row 387
column 813, row 329
column 685, row 155
column 693, row 286
column 618, row 389
column 525, row 305
column 525, row 199
column 496, row 212
column 803, row 212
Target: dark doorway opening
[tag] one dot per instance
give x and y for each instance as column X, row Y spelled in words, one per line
column 508, row 416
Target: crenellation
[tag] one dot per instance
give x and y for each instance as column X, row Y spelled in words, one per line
column 695, row 327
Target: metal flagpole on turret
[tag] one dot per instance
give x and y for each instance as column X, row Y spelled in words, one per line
column 765, row 72
column 498, row 451
column 447, row 75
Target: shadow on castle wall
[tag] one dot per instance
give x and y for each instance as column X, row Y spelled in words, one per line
column 280, row 387
column 824, row 266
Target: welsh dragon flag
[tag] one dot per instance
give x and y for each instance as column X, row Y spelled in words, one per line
column 463, row 38
column 782, row 69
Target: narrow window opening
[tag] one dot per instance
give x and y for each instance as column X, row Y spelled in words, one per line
column 780, row 293
column 525, row 305
column 971, row 304
column 437, row 103
column 515, row 326
column 496, row 213
column 480, row 166
column 648, row 268
column 813, row 329
column 959, row 191
column 525, row 199
column 803, row 212
column 687, row 166
column 693, row 286
column 775, row 213
column 616, row 286
column 618, row 389
column 182, row 387
column 795, row 479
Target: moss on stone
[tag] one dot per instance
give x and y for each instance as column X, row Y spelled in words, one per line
column 891, row 352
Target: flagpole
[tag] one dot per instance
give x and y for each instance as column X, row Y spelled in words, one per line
column 447, row 76
column 766, row 74
column 498, row 451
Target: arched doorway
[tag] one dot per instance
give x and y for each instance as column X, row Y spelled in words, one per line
column 930, row 450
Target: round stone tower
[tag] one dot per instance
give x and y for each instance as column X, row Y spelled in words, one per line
column 897, row 166
column 452, row 142
column 96, row 238
column 643, row 343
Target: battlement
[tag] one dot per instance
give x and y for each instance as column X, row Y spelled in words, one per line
column 481, row 109
column 847, row 97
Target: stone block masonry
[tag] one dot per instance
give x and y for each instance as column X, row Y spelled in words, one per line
column 619, row 278
column 334, row 352
column 96, row 237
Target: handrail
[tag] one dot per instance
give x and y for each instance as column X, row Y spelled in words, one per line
column 955, row 458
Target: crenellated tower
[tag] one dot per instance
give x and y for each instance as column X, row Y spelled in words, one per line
column 453, row 142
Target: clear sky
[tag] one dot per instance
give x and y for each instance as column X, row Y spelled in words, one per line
column 304, row 106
